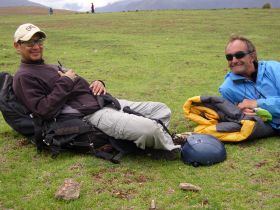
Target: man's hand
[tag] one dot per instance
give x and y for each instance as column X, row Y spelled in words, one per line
column 70, row 74
column 249, row 112
column 247, row 105
column 97, row 88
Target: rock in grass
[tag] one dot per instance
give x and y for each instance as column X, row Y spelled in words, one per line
column 70, row 190
column 189, row 187
column 153, row 205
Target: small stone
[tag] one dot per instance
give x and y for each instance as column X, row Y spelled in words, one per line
column 189, row 187
column 153, row 205
column 70, row 190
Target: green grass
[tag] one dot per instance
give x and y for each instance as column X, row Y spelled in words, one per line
column 165, row 56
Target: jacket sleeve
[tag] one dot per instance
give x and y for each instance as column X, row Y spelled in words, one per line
column 227, row 94
column 272, row 77
column 35, row 97
column 271, row 104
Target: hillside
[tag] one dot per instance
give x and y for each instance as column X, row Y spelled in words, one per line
column 132, row 5
column 29, row 10
column 17, row 3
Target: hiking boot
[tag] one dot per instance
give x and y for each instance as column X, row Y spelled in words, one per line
column 180, row 138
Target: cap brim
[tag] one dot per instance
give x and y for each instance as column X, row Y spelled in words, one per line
column 28, row 36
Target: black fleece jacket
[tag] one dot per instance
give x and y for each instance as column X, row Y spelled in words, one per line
column 44, row 92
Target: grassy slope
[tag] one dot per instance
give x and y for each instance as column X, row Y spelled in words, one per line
column 165, row 56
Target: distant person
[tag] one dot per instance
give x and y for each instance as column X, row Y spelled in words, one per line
column 251, row 83
column 92, row 8
column 50, row 11
column 47, row 90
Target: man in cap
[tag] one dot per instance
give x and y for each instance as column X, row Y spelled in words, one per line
column 47, row 91
column 251, row 84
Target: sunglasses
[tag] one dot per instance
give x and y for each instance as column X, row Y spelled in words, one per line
column 237, row 55
column 33, row 42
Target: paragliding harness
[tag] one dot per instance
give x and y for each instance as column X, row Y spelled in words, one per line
column 71, row 133
column 65, row 132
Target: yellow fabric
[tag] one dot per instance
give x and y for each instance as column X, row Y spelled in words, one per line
column 207, row 120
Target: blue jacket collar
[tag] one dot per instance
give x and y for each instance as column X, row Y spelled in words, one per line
column 236, row 77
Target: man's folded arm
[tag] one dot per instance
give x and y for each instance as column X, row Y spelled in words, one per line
column 32, row 94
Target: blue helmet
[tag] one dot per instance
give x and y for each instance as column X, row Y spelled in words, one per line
column 202, row 149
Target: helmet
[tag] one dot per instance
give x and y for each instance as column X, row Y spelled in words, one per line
column 202, row 149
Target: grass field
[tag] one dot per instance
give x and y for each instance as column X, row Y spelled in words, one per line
column 165, row 56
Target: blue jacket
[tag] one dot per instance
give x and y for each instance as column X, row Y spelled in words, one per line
column 266, row 89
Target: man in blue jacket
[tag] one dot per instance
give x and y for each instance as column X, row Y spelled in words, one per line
column 251, row 83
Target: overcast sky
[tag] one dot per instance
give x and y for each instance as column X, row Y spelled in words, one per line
column 81, row 5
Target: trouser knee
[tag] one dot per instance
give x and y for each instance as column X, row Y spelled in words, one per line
column 164, row 113
column 150, row 130
column 167, row 110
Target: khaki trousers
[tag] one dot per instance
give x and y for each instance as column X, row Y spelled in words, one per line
column 143, row 131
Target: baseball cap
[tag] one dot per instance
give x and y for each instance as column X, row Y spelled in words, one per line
column 25, row 31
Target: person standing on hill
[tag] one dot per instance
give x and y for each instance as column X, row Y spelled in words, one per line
column 251, row 83
column 47, row 91
column 92, row 8
column 50, row 11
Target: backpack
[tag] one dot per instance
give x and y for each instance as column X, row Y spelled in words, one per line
column 14, row 113
column 69, row 132
column 65, row 133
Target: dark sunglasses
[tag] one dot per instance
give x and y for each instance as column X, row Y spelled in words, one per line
column 32, row 43
column 237, row 55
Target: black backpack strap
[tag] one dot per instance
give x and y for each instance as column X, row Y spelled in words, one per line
column 107, row 100
column 38, row 134
column 128, row 110
column 122, row 147
column 107, row 156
